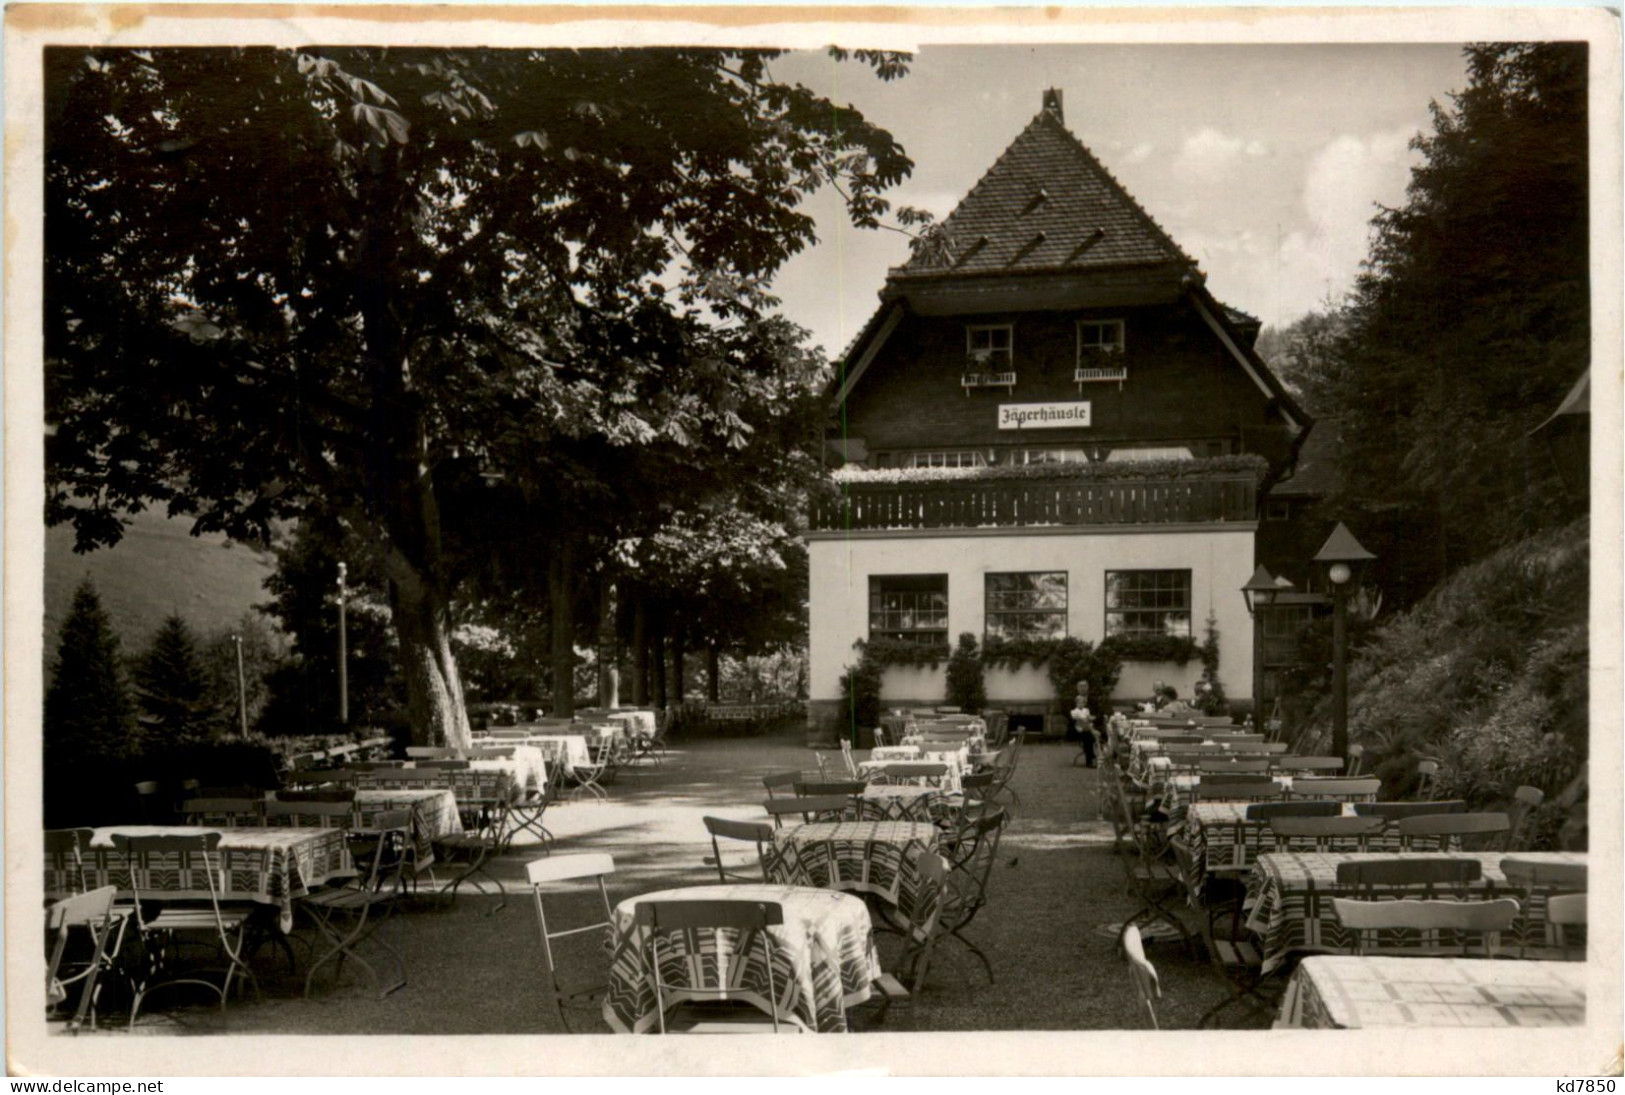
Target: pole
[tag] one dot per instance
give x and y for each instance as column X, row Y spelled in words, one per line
column 1258, row 668
column 1340, row 672
column 344, row 655
column 242, row 686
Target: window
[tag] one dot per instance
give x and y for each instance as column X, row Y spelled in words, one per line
column 1100, row 336
column 1026, row 606
column 910, row 607
column 1049, row 456
column 951, row 458
column 1277, row 509
column 1148, row 454
column 990, row 348
column 1148, row 602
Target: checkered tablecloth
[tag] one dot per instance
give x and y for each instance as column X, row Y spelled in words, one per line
column 890, row 802
column 875, row 857
column 270, row 866
column 527, row 766
column 948, row 781
column 1344, row 992
column 567, row 749
column 1291, row 909
column 1222, row 839
column 433, row 810
column 824, row 958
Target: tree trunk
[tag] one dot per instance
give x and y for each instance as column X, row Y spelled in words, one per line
column 434, row 692
column 640, row 652
column 563, row 654
column 713, row 673
column 677, row 667
column 609, row 670
column 657, row 659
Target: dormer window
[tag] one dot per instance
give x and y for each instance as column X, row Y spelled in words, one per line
column 990, row 348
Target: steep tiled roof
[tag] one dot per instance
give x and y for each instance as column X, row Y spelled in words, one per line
column 1046, row 204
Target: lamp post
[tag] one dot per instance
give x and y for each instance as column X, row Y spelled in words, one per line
column 344, row 655
column 1343, row 560
column 242, row 686
column 1259, row 593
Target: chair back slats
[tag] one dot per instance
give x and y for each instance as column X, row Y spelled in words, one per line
column 1225, row 791
column 1218, row 765
column 1308, row 764
column 1310, row 787
column 1325, row 833
column 338, row 813
column 1264, row 811
column 224, row 811
column 1449, row 826
column 1485, row 918
column 563, row 868
column 832, row 787
column 1532, row 873
column 1393, row 811
column 1410, row 870
column 752, row 918
column 780, row 781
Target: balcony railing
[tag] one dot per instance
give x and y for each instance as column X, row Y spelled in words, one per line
column 1036, row 502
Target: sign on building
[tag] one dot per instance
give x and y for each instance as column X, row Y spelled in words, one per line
column 1043, row 416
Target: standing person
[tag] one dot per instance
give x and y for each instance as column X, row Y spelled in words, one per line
column 1085, row 723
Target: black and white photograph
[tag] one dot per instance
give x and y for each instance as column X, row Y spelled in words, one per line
column 953, row 536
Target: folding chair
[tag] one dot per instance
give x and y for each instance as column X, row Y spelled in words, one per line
column 475, row 850
column 972, row 851
column 1542, row 882
column 1356, row 761
column 526, row 812
column 654, row 747
column 1155, row 883
column 1324, row 834
column 1427, row 776
column 1525, row 800
column 1393, row 811
column 1449, row 828
column 92, row 911
column 1452, row 875
column 1234, row 958
column 757, row 832
column 1218, row 765
column 920, row 926
column 810, row 807
column 660, row 920
column 1142, row 973
column 779, row 781
column 1564, row 912
column 1308, row 764
column 226, row 923
column 846, row 758
column 567, row 868
column 154, row 810
column 813, row 789
column 1487, row 919
column 591, row 776
column 1346, row 790
column 1298, row 807
column 1223, row 791
column 344, row 914
column 337, row 813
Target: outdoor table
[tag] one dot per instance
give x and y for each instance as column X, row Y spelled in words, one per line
column 955, row 768
column 897, row 802
column 1176, row 789
column 1290, row 894
column 895, row 752
column 824, row 958
column 264, row 865
column 527, row 766
column 1222, row 839
column 638, row 724
column 569, row 750
column 875, row 857
column 1345, row 992
column 434, row 814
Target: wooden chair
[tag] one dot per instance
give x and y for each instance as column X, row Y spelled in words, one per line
column 757, row 832
column 973, row 850
column 548, row 872
column 1356, row 761
column 920, row 927
column 1324, row 834
column 1486, row 919
column 1297, row 807
column 1393, row 811
column 155, row 810
column 1563, row 913
column 780, row 781
column 351, row 914
column 810, row 807
column 92, row 911
column 224, row 812
column 813, row 788
column 1541, row 882
column 1157, row 884
column 1217, row 766
column 661, row 919
column 1222, row 791
column 227, row 924
column 1452, row 875
column 1346, row 790
column 1427, row 778
column 1235, row 958
column 1142, row 973
column 473, row 851
column 1449, row 828
column 1308, row 764
column 336, row 813
column 1525, row 800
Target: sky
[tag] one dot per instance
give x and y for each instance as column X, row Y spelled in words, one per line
column 1265, row 163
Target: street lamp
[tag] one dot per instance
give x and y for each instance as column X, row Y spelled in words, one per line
column 1259, row 593
column 344, row 655
column 242, row 686
column 1343, row 560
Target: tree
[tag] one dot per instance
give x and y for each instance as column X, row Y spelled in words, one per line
column 368, row 281
column 1473, row 317
column 966, row 688
column 88, row 716
column 171, row 684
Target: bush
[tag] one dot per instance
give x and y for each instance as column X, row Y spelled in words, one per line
column 860, row 694
column 1075, row 660
column 966, row 688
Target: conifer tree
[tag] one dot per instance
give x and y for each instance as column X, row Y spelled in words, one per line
column 171, row 684
column 88, row 716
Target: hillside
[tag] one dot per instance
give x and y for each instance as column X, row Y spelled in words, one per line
column 158, row 568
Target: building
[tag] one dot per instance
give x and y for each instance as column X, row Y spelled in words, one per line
column 1048, row 428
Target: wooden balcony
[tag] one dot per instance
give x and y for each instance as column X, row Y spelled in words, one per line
column 1027, row 503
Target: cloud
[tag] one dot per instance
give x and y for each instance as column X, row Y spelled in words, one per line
column 1208, row 153
column 1140, row 152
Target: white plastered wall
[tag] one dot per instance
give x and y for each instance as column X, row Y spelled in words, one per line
column 1219, row 557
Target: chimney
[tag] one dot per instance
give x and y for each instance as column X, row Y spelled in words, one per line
column 1052, row 103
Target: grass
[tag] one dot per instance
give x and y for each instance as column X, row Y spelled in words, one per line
column 1055, row 889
